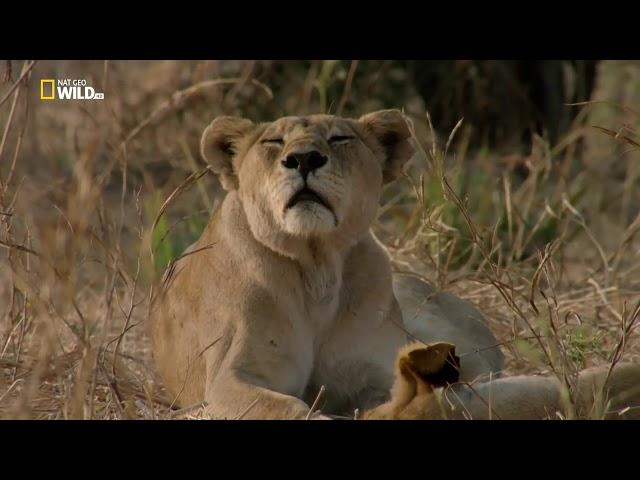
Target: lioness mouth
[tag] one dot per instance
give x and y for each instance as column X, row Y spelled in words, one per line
column 307, row 195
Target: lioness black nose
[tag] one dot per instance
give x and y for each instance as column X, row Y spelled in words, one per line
column 305, row 162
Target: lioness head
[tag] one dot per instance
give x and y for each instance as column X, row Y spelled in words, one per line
column 319, row 175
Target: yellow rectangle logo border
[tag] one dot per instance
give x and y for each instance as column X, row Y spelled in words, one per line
column 53, row 89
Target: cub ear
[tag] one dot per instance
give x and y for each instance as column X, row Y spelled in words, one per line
column 390, row 128
column 219, row 145
column 437, row 365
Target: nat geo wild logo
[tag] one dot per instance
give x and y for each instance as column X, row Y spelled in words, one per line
column 68, row 89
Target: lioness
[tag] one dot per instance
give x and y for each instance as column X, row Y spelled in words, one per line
column 287, row 289
column 427, row 388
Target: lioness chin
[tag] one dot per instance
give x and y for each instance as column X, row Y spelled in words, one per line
column 287, row 289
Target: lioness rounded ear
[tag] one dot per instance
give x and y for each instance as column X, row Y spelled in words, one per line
column 390, row 128
column 218, row 147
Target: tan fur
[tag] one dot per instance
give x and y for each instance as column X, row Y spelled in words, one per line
column 272, row 302
column 414, row 397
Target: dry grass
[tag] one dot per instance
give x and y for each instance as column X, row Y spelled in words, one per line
column 97, row 198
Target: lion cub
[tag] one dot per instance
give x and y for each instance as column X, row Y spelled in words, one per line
column 426, row 388
column 287, row 289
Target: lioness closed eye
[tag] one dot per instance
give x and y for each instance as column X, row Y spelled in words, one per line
column 287, row 290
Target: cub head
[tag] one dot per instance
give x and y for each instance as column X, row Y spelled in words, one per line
column 431, row 367
column 420, row 370
column 315, row 176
